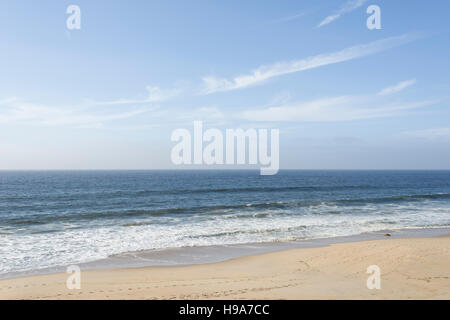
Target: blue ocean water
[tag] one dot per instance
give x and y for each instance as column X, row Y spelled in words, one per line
column 53, row 218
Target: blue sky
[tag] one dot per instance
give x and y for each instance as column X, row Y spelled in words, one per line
column 109, row 95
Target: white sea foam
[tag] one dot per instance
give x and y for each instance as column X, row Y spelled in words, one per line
column 21, row 252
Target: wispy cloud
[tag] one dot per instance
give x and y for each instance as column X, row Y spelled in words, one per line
column 398, row 87
column 19, row 111
column 430, row 134
column 347, row 7
column 155, row 94
column 290, row 18
column 15, row 111
column 213, row 84
column 334, row 109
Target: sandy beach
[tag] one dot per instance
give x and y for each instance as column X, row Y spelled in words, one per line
column 416, row 268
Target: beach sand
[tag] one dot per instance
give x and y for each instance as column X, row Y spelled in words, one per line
column 416, row 268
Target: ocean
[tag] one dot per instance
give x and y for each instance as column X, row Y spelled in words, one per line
column 57, row 218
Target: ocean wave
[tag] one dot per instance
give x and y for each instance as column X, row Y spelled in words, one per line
column 243, row 208
column 408, row 197
column 249, row 232
column 259, row 189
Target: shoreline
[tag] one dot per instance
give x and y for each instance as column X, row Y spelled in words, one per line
column 198, row 255
column 411, row 268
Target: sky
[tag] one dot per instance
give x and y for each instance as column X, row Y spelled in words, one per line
column 109, row 95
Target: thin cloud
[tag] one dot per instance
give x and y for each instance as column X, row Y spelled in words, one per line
column 335, row 109
column 19, row 111
column 213, row 84
column 155, row 94
column 290, row 18
column 430, row 134
column 398, row 87
column 331, row 110
column 347, row 7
